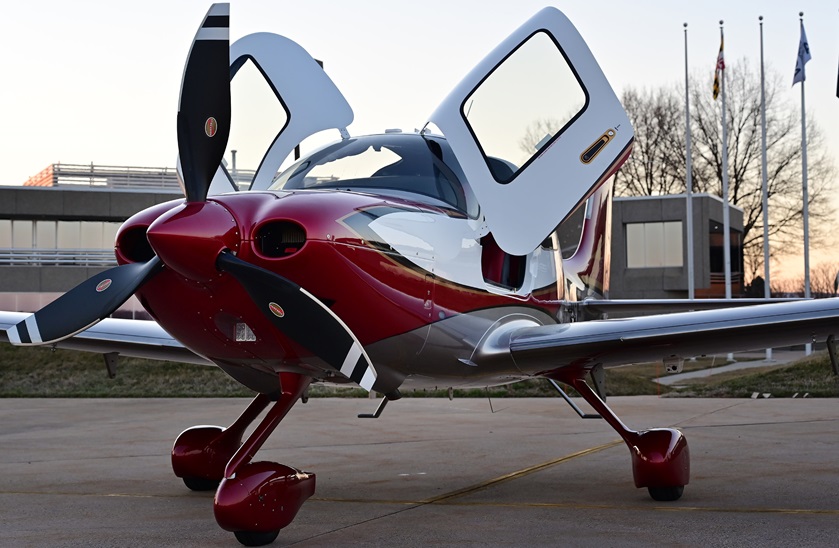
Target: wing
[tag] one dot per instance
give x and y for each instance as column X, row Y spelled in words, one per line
column 130, row 338
column 597, row 309
column 539, row 350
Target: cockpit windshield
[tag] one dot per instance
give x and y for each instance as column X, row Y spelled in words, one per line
column 400, row 163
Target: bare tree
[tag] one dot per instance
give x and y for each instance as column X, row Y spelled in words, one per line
column 658, row 117
column 536, row 134
column 744, row 162
column 657, row 163
column 822, row 282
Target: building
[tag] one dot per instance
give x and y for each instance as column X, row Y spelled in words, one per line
column 649, row 248
column 67, row 216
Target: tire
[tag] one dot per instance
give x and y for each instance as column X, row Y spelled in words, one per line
column 201, row 484
column 666, row 494
column 253, row 538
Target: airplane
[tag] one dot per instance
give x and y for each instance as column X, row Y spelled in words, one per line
column 392, row 262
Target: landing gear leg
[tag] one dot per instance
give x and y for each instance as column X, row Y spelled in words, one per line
column 660, row 456
column 257, row 499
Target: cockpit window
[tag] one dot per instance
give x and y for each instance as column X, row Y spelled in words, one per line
column 403, row 163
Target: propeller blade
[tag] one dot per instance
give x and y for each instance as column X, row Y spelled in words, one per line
column 204, row 105
column 303, row 318
column 84, row 305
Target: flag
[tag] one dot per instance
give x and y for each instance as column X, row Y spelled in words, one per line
column 720, row 66
column 803, row 57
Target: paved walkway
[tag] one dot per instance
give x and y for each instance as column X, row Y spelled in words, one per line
column 779, row 357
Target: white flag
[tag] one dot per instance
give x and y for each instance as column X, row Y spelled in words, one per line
column 803, row 57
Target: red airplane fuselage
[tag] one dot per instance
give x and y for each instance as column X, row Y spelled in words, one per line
column 319, row 240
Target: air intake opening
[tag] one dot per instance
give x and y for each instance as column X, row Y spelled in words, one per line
column 133, row 245
column 279, row 239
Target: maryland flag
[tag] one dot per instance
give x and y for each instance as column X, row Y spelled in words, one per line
column 720, row 66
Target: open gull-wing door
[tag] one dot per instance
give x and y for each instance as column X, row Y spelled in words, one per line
column 310, row 99
column 536, row 128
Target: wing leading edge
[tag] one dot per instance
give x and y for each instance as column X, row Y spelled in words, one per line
column 130, row 338
column 584, row 345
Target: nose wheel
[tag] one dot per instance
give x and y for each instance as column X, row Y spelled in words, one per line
column 200, row 484
column 666, row 494
column 251, row 538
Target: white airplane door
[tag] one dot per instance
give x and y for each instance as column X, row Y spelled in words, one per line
column 308, row 96
column 536, row 128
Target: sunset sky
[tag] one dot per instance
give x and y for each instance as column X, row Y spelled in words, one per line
column 98, row 81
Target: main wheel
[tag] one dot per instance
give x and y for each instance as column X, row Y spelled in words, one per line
column 200, row 484
column 253, row 538
column 666, row 494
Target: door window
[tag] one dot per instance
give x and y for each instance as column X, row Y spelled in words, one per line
column 523, row 105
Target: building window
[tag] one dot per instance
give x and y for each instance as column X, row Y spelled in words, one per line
column 717, row 250
column 36, row 243
column 651, row 245
column 26, row 234
column 22, row 234
column 5, row 233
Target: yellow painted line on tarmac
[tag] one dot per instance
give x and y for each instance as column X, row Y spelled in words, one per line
column 519, row 473
column 487, row 483
column 367, row 501
column 448, row 498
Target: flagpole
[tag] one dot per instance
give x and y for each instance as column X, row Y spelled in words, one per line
column 766, row 283
column 809, row 347
column 688, row 177
column 725, row 215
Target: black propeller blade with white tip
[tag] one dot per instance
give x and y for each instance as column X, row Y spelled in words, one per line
column 204, row 106
column 86, row 304
column 303, row 318
column 203, row 128
column 203, row 125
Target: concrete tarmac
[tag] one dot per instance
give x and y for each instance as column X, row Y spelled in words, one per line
column 96, row 472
